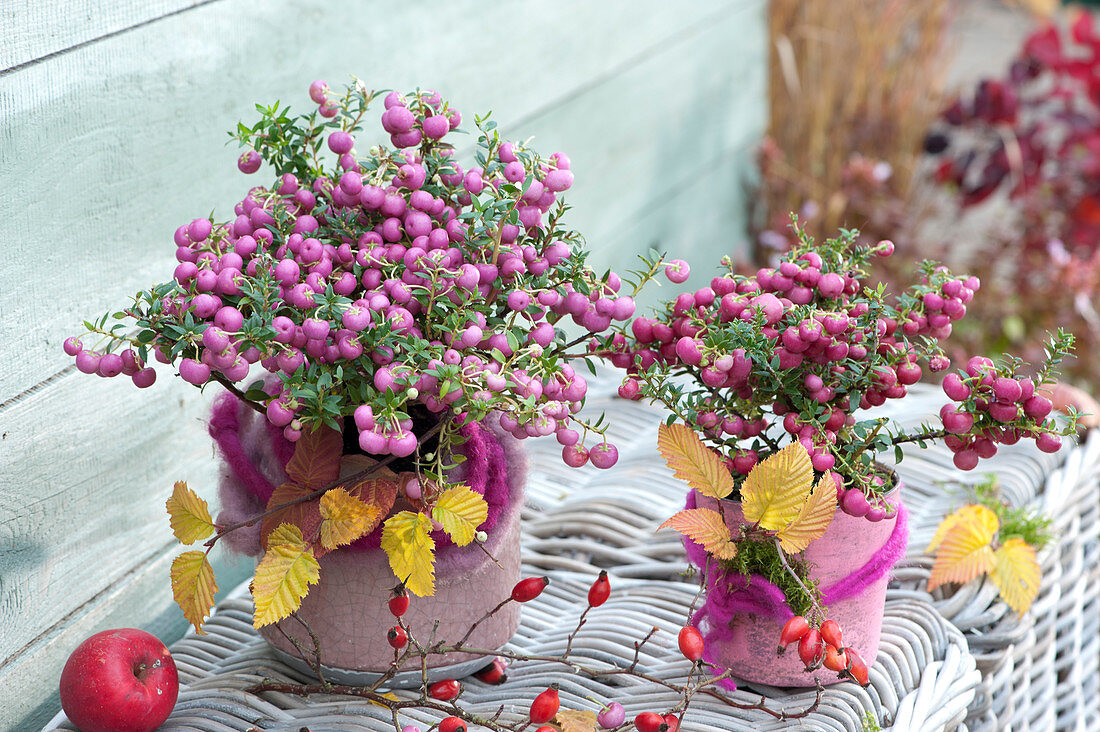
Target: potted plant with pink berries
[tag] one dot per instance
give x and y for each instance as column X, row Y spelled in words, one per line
column 765, row 376
column 387, row 325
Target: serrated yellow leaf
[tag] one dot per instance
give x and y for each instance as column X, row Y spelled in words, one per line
column 1016, row 573
column 706, row 528
column 283, row 576
column 576, row 721
column 693, row 462
column 964, row 551
column 189, row 515
column 974, row 513
column 344, row 518
column 193, row 587
column 407, row 542
column 776, row 488
column 460, row 511
column 813, row 518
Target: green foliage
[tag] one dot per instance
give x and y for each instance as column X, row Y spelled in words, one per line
column 762, row 557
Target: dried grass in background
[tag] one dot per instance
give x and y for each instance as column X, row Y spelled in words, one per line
column 855, row 85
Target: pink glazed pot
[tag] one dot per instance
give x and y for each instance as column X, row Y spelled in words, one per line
column 749, row 649
column 347, row 609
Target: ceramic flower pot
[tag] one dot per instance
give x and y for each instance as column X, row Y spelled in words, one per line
column 851, row 563
column 347, row 610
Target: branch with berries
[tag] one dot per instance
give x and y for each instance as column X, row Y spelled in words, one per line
column 545, row 712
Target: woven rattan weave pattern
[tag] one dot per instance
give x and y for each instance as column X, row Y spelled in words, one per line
column 1040, row 672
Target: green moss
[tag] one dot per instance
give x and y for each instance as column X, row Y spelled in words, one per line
column 761, row 557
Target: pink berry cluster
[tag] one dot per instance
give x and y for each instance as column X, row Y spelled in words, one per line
column 127, row 362
column 791, row 352
column 991, row 404
column 393, row 286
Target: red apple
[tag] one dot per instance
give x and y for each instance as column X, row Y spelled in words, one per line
column 120, row 680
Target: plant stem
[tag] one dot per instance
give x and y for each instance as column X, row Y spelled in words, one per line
column 790, row 570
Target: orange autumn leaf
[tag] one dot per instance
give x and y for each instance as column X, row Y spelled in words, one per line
column 706, row 528
column 316, row 459
column 344, row 518
column 576, row 721
column 813, row 518
column 693, row 462
column 305, row 515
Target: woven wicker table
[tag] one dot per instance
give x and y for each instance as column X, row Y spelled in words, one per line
column 986, row 668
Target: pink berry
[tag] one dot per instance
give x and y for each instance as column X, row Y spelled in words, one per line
column 144, row 378
column 436, row 127
column 574, row 456
column 341, row 142
column 109, row 364
column 558, row 180
column 854, row 503
column 249, row 162
column 1037, row 407
column 194, row 372
column 73, row 346
column 956, row 422
column 954, row 388
column 677, row 271
column 1048, row 442
column 604, row 455
column 318, row 91
column 966, row 459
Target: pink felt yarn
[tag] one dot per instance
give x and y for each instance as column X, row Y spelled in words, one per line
column 255, row 455
column 730, row 594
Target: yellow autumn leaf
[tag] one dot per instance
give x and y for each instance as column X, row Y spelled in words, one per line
column 283, row 576
column 693, row 462
column 344, row 518
column 1016, row 573
column 776, row 488
column 576, row 721
column 188, row 514
column 407, row 542
column 813, row 518
column 970, row 513
column 964, row 551
column 193, row 587
column 706, row 528
column 460, row 510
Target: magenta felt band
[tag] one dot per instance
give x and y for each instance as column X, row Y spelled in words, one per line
column 730, row 594
column 256, row 457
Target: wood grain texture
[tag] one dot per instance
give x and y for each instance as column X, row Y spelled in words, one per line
column 109, row 146
column 86, row 467
column 39, row 29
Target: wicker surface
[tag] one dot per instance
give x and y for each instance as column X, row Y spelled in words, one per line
column 576, row 522
column 1040, row 671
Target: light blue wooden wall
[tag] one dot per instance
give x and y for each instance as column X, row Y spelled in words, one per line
column 112, row 133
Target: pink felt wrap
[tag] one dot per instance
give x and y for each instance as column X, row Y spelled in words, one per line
column 730, row 594
column 255, row 456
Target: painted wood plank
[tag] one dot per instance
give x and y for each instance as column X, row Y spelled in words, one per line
column 35, row 29
column 87, row 466
column 646, row 181
column 113, row 145
column 678, row 189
